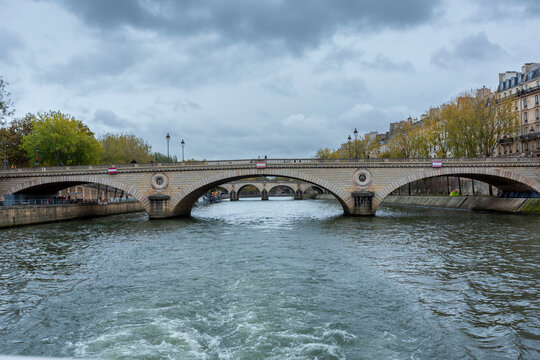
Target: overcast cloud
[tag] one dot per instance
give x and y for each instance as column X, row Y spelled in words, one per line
column 242, row 78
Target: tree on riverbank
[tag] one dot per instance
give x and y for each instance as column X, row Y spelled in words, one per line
column 62, row 140
column 14, row 134
column 6, row 109
column 468, row 126
column 123, row 148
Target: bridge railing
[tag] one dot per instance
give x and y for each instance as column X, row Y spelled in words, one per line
column 253, row 162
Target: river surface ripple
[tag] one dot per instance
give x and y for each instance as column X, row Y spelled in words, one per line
column 278, row 279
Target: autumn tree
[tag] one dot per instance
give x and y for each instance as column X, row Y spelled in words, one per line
column 5, row 103
column 408, row 142
column 124, row 148
column 62, row 140
column 474, row 124
column 326, row 153
column 14, row 134
column 436, row 133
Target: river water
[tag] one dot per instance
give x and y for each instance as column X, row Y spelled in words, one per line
column 279, row 279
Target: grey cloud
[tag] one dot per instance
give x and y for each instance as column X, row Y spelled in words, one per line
column 382, row 62
column 8, row 43
column 501, row 9
column 473, row 48
column 281, row 85
column 337, row 58
column 112, row 57
column 109, row 119
column 350, row 87
column 293, row 25
column 367, row 117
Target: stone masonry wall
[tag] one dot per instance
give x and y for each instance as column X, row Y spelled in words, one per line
column 36, row 214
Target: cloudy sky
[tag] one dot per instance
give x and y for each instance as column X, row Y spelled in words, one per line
column 242, row 78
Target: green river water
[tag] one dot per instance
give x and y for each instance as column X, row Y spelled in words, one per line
column 279, row 279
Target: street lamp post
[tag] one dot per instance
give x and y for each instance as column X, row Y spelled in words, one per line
column 182, row 143
column 355, row 144
column 349, row 143
column 37, row 158
column 168, row 137
column 5, row 155
column 6, row 158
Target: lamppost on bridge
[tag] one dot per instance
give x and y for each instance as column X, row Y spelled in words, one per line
column 349, row 143
column 168, row 137
column 355, row 132
column 37, row 157
column 6, row 162
column 182, row 143
column 5, row 155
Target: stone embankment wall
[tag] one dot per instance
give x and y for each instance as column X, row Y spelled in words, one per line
column 36, row 214
column 515, row 205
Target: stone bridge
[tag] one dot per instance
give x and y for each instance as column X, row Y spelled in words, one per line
column 298, row 188
column 169, row 190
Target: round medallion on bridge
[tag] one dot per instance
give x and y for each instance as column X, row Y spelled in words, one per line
column 159, row 181
column 362, row 177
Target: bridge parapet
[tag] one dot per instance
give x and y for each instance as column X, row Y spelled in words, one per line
column 183, row 183
column 251, row 163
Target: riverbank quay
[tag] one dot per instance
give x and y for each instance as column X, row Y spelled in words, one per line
column 37, row 214
column 480, row 203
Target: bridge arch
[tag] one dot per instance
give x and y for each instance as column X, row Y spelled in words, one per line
column 504, row 180
column 242, row 186
column 313, row 187
column 282, row 186
column 182, row 203
column 56, row 183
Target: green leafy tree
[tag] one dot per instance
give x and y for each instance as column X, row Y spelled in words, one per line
column 62, row 139
column 15, row 133
column 124, row 148
column 162, row 158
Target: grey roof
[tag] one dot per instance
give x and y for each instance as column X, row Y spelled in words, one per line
column 519, row 80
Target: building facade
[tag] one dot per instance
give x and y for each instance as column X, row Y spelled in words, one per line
column 524, row 87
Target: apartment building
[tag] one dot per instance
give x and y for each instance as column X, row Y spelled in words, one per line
column 524, row 87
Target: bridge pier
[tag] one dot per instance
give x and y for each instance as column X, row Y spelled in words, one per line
column 264, row 194
column 298, row 195
column 363, row 205
column 159, row 205
column 233, row 196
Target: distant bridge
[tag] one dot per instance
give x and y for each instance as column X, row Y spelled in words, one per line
column 298, row 188
column 169, row 190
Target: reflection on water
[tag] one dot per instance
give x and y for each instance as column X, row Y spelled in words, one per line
column 279, row 279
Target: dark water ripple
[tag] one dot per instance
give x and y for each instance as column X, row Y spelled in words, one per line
column 274, row 280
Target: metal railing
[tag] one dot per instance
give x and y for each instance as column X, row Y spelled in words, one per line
column 532, row 135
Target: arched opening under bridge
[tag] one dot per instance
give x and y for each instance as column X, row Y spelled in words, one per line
column 73, row 189
column 281, row 191
column 182, row 203
column 500, row 180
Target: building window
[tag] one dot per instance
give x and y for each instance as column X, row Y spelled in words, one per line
column 516, row 106
column 536, row 100
column 525, row 103
column 537, row 112
column 525, row 117
column 517, row 147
